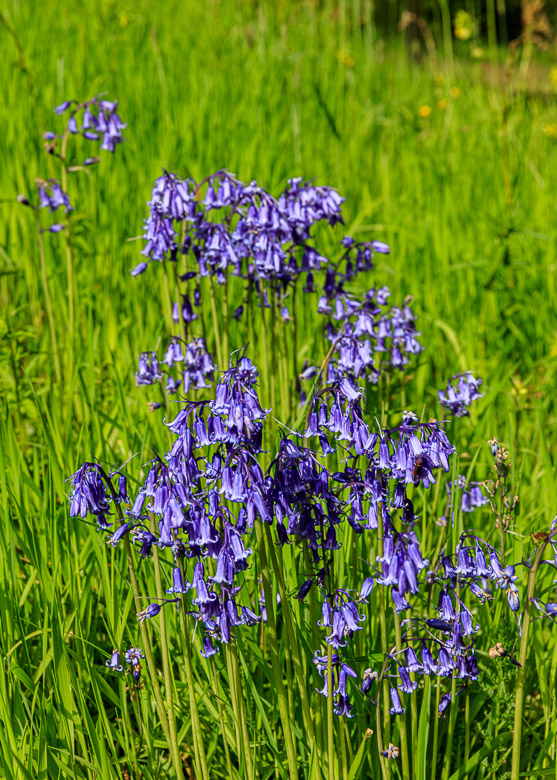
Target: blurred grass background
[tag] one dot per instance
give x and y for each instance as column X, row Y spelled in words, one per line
column 448, row 153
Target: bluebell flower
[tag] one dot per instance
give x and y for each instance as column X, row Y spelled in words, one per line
column 208, row 648
column 139, row 269
column 304, row 590
column 114, row 661
column 64, row 106
column 366, row 588
column 122, row 490
column 471, row 494
column 406, row 684
column 396, row 706
column 136, row 672
column 154, row 608
column 120, row 533
column 444, row 702
column 461, row 391
column 412, row 663
column 148, row 370
column 134, row 655
column 428, row 662
column 368, row 677
column 178, row 584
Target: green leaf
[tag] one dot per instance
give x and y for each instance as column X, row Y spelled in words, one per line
column 486, row 751
column 359, row 758
column 423, row 732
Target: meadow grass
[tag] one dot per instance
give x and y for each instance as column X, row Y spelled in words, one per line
column 465, row 198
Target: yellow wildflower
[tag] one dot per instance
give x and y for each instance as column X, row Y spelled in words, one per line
column 464, row 26
column 550, row 129
column 346, row 59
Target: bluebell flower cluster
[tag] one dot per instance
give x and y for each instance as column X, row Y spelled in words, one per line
column 52, row 196
column 133, row 656
column 461, row 391
column 340, row 672
column 471, row 495
column 192, row 363
column 201, row 500
column 172, row 201
column 443, row 645
column 366, row 334
column 369, row 335
column 89, row 495
column 190, row 496
column 95, row 120
column 238, row 228
column 222, row 228
column 312, row 505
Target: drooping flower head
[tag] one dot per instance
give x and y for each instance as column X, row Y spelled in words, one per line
column 461, row 391
column 95, row 120
column 52, row 196
column 90, row 495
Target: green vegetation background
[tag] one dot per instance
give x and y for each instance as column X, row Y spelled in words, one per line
column 451, row 161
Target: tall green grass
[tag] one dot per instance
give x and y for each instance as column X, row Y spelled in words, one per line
column 465, row 197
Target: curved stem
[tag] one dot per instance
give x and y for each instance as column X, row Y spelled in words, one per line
column 402, row 718
column 521, row 673
column 194, row 712
column 218, row 347
column 48, row 302
column 69, row 267
column 380, row 745
column 298, row 667
column 168, row 681
column 221, row 719
column 330, row 721
column 235, row 668
column 275, row 661
column 146, row 643
column 435, row 732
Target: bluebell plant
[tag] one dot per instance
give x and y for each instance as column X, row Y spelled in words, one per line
column 336, row 491
column 203, row 499
column 221, row 228
column 96, row 121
